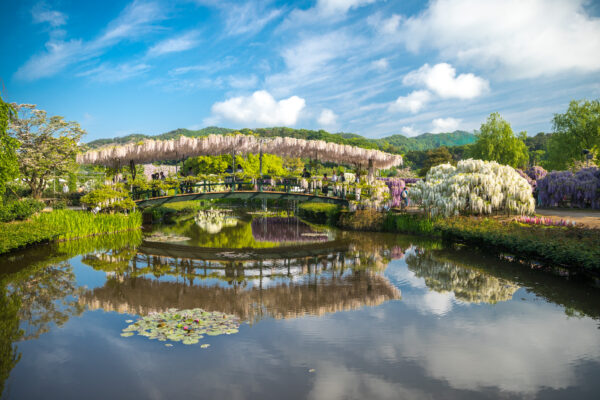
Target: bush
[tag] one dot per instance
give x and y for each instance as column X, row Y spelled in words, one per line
column 320, row 213
column 20, row 210
column 20, row 234
column 362, row 220
column 574, row 247
column 109, row 198
column 409, row 223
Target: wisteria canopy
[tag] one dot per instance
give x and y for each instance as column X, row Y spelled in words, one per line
column 184, row 147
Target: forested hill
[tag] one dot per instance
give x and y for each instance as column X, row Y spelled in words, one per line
column 393, row 144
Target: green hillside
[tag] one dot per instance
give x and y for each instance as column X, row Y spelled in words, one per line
column 394, row 144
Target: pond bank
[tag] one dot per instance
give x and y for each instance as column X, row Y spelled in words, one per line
column 64, row 225
column 573, row 247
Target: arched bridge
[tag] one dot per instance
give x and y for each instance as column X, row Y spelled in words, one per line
column 237, row 190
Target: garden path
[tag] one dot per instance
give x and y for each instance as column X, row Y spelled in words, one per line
column 589, row 218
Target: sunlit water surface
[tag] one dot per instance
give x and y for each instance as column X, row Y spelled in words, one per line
column 324, row 315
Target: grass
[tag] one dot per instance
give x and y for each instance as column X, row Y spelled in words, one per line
column 416, row 224
column 63, row 225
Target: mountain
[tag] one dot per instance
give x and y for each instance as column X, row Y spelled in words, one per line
column 398, row 144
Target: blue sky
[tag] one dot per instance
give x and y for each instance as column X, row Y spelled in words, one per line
column 371, row 67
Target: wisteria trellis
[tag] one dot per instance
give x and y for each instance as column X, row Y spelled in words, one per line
column 183, row 147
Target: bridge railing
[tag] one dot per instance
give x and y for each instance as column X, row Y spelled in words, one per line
column 260, row 185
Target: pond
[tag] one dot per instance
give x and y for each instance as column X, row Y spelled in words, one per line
column 271, row 307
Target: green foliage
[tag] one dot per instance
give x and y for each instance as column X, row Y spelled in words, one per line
column 78, row 224
column 417, row 224
column 497, row 142
column 438, row 156
column 19, row 210
column 320, row 213
column 207, row 165
column 9, row 166
column 109, row 198
column 20, row 234
column 574, row 247
column 575, row 130
column 361, row 220
column 48, row 146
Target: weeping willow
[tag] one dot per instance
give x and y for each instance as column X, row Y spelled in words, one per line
column 184, row 147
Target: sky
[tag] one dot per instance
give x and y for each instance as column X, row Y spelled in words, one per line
column 371, row 67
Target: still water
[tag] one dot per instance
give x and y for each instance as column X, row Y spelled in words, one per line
column 322, row 315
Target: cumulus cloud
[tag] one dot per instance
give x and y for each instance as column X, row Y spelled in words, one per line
column 445, row 125
column 520, row 38
column 183, row 42
column 327, row 118
column 259, row 109
column 442, row 80
column 414, row 102
column 409, row 131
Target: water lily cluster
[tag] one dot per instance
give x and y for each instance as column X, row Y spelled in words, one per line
column 185, row 326
column 473, row 187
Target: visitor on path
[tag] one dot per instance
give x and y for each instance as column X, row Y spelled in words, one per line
column 65, row 188
column 404, row 196
column 305, row 173
column 325, row 187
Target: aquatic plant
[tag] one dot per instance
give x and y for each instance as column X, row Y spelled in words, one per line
column 473, row 187
column 185, row 326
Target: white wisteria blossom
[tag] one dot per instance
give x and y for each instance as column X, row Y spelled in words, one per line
column 184, row 147
column 473, row 187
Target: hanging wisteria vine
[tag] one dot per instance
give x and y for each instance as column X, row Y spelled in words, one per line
column 564, row 189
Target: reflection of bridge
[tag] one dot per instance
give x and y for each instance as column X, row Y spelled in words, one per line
column 241, row 195
column 316, row 296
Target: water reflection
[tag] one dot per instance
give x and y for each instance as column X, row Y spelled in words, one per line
column 376, row 316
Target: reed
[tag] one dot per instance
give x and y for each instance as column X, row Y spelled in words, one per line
column 78, row 224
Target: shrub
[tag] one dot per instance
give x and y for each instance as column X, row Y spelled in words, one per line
column 362, row 220
column 562, row 188
column 320, row 213
column 20, row 234
column 20, row 210
column 473, row 187
column 109, row 198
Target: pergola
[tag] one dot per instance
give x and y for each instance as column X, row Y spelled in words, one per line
column 184, row 147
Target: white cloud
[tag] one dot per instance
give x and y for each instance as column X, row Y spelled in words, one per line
column 249, row 17
column 333, row 7
column 176, row 44
column 41, row 13
column 442, row 80
column 327, row 118
column 115, row 73
column 382, row 64
column 520, row 38
column 414, row 102
column 445, row 125
column 135, row 20
column 243, row 82
column 409, row 131
column 390, row 25
column 259, row 109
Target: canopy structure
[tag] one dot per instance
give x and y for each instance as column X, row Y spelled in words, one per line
column 184, row 147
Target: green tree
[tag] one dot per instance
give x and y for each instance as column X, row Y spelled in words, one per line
column 434, row 157
column 497, row 142
column 9, row 166
column 575, row 130
column 48, row 145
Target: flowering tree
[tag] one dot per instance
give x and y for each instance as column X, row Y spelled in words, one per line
column 581, row 189
column 48, row 146
column 473, row 187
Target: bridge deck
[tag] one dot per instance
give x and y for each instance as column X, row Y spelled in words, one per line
column 242, row 195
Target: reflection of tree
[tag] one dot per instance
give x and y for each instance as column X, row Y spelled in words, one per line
column 48, row 295
column 9, row 333
column 281, row 229
column 468, row 284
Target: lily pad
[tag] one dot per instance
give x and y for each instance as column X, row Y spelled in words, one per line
column 204, row 346
column 184, row 326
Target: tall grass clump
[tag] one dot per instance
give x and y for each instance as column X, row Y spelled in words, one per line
column 21, row 234
column 77, row 224
column 410, row 223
